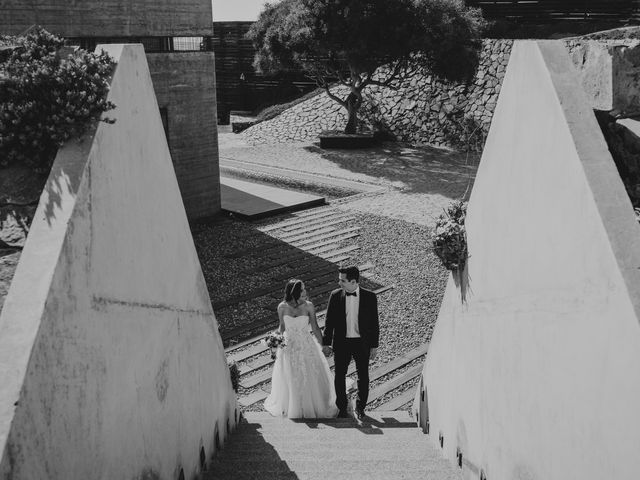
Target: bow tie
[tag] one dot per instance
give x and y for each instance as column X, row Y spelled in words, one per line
column 352, row 293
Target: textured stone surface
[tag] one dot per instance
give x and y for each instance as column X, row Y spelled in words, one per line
column 423, row 110
column 14, row 224
column 426, row 110
column 184, row 84
column 609, row 72
column 8, row 265
column 383, row 446
column 109, row 18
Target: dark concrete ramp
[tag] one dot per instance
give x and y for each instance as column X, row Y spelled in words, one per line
column 253, row 200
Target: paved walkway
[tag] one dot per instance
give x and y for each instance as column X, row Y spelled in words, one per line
column 251, row 200
column 412, row 183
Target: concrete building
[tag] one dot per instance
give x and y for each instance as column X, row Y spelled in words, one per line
column 177, row 39
column 111, row 360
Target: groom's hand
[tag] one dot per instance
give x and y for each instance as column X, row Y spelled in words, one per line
column 326, row 350
column 372, row 354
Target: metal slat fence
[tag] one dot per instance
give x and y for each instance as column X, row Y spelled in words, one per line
column 622, row 11
column 238, row 86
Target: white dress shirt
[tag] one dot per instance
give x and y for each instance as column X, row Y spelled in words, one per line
column 352, row 307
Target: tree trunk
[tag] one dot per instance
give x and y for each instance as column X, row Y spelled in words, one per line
column 353, row 104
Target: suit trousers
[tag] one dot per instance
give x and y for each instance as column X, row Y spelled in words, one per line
column 356, row 349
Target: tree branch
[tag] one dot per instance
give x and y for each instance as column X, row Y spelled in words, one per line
column 334, row 97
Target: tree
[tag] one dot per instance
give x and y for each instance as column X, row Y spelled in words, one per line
column 347, row 41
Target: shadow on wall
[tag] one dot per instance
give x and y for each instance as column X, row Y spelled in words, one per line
column 415, row 169
column 20, row 189
column 17, row 214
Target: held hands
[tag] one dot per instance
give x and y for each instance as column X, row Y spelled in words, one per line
column 372, row 354
column 327, row 350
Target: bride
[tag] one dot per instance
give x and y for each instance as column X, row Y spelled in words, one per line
column 301, row 383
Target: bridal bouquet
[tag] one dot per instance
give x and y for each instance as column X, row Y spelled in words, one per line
column 274, row 341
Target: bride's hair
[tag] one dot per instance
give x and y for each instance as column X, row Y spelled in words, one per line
column 293, row 290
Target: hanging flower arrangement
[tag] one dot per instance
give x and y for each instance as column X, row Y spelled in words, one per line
column 449, row 237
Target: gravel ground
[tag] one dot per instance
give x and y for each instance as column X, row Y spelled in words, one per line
column 398, row 249
column 395, row 236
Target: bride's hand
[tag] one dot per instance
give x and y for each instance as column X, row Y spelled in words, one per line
column 326, row 350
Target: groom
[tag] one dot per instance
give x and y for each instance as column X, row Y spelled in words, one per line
column 351, row 326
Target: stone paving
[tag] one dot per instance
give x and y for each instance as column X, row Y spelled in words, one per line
column 418, row 181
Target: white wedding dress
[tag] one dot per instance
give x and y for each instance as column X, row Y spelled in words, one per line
column 301, row 384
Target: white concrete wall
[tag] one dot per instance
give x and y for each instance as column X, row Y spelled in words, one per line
column 537, row 375
column 111, row 361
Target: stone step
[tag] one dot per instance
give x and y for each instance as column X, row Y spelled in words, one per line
column 312, row 279
column 337, row 236
column 330, row 251
column 301, row 236
column 385, row 445
column 337, row 258
column 295, row 222
column 314, row 212
column 298, row 240
column 395, row 382
column 313, row 228
column 398, row 401
column 297, row 219
column 309, row 224
column 294, row 255
column 374, row 374
column 319, row 298
column 265, row 376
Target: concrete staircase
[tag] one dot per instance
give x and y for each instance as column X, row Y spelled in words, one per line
column 386, row 445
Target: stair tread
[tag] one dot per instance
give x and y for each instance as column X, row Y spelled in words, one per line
column 400, row 400
column 231, row 349
column 395, row 382
column 386, row 445
column 297, row 220
column 373, row 375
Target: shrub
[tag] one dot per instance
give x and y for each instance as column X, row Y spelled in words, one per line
column 47, row 100
column 449, row 237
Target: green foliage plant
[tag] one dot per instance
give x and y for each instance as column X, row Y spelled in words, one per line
column 47, row 98
column 357, row 43
column 449, row 238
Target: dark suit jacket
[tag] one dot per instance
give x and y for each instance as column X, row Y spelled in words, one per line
column 335, row 329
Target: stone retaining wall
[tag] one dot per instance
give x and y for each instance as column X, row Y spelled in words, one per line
column 423, row 110
column 427, row 110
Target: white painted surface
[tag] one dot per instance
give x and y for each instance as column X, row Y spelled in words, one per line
column 537, row 375
column 107, row 338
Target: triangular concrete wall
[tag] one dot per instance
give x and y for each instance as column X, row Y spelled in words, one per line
column 110, row 357
column 536, row 375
